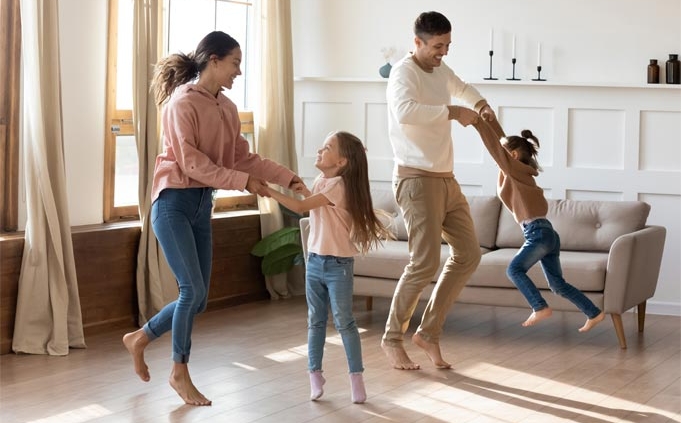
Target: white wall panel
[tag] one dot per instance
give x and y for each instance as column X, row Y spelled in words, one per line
column 658, row 127
column 596, row 139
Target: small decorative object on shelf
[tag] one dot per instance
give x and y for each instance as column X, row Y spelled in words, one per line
column 490, row 78
column 513, row 78
column 538, row 78
column 673, row 69
column 491, row 54
column 653, row 72
column 384, row 70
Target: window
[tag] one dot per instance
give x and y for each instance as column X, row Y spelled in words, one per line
column 185, row 23
column 10, row 46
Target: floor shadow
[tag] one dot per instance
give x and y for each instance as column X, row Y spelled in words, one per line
column 555, row 406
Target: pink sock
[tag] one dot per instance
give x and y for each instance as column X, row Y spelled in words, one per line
column 316, row 384
column 359, row 393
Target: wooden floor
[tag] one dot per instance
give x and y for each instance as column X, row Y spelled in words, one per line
column 251, row 361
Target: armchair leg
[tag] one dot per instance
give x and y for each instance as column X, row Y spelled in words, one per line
column 370, row 303
column 619, row 329
column 641, row 316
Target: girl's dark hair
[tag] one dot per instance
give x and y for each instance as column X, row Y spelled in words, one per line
column 179, row 68
column 428, row 24
column 367, row 230
column 527, row 145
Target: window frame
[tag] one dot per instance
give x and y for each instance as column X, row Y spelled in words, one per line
column 114, row 118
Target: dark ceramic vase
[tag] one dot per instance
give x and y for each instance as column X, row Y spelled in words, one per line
column 384, row 70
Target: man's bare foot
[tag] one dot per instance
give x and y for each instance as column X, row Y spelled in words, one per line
column 538, row 316
column 432, row 351
column 136, row 342
column 183, row 385
column 398, row 357
column 592, row 322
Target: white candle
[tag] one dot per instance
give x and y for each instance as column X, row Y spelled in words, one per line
column 513, row 55
column 538, row 54
column 491, row 39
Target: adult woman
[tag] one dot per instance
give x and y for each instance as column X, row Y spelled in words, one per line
column 202, row 150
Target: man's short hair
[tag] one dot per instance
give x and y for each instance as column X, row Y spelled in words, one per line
column 428, row 24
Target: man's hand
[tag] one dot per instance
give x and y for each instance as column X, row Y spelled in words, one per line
column 257, row 186
column 463, row 115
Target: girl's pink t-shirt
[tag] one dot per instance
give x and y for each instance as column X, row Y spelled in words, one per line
column 203, row 146
column 330, row 225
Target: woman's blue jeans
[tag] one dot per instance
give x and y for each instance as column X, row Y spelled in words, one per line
column 542, row 244
column 329, row 283
column 181, row 222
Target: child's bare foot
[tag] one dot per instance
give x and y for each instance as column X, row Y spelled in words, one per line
column 183, row 385
column 398, row 357
column 592, row 322
column 432, row 351
column 136, row 342
column 538, row 316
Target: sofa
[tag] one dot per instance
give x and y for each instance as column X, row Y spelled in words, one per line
column 607, row 251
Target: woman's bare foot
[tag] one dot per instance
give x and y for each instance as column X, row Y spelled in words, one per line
column 183, row 385
column 432, row 351
column 398, row 357
column 136, row 342
column 538, row 316
column 592, row 322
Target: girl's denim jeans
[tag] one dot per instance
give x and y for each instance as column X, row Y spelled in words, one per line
column 181, row 222
column 329, row 283
column 542, row 244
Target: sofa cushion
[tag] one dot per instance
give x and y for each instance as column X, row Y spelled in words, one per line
column 485, row 212
column 583, row 270
column 582, row 225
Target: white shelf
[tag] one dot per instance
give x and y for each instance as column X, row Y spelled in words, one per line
column 504, row 82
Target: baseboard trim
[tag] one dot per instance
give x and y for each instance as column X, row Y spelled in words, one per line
column 663, row 308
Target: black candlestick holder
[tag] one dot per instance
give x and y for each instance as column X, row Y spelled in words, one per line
column 513, row 78
column 539, row 78
column 491, row 53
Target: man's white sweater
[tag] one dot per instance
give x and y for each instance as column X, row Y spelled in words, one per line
column 419, row 129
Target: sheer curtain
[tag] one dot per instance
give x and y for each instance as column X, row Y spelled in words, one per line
column 48, row 317
column 275, row 134
column 156, row 284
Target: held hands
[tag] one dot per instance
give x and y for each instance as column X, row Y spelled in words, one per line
column 257, row 186
column 463, row 115
column 486, row 113
column 298, row 187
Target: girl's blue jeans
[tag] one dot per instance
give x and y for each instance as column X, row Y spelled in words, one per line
column 181, row 222
column 542, row 244
column 329, row 284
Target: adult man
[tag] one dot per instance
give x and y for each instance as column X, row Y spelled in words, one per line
column 419, row 93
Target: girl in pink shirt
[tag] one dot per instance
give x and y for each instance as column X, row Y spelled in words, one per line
column 342, row 224
column 203, row 150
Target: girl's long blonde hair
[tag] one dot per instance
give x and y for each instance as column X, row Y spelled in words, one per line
column 367, row 230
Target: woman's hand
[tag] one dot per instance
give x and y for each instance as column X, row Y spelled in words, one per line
column 257, row 186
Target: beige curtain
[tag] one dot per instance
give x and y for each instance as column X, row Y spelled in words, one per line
column 156, row 284
column 275, row 137
column 48, row 317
